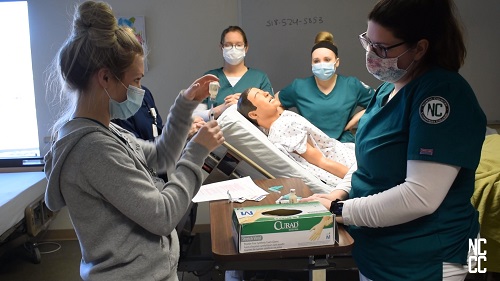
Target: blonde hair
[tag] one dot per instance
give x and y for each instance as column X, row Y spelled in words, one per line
column 324, row 36
column 324, row 39
column 96, row 41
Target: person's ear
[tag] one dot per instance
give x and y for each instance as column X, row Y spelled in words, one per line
column 103, row 75
column 337, row 63
column 421, row 49
column 252, row 115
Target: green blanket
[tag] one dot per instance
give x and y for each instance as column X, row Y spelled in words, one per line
column 486, row 199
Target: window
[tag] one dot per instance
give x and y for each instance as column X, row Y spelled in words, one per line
column 18, row 122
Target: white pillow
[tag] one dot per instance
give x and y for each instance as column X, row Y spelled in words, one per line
column 253, row 143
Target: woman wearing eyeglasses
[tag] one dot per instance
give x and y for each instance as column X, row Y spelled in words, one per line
column 327, row 99
column 234, row 76
column 417, row 148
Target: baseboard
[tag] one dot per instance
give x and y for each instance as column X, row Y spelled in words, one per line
column 59, row 234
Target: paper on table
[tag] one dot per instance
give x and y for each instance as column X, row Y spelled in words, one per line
column 238, row 188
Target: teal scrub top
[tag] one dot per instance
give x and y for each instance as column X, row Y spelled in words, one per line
column 331, row 112
column 252, row 78
column 437, row 118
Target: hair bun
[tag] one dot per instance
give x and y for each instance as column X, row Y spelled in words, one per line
column 91, row 14
column 324, row 36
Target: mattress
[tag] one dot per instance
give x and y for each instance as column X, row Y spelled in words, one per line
column 17, row 191
column 253, row 143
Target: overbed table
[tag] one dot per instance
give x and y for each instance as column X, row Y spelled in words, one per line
column 313, row 259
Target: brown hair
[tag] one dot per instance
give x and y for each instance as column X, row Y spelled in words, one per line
column 96, row 41
column 434, row 20
column 245, row 106
column 233, row 28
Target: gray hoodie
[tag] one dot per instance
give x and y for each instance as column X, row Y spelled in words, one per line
column 123, row 214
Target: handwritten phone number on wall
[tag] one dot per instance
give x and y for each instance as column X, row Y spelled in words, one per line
column 294, row 22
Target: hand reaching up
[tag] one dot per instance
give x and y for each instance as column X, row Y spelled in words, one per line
column 198, row 91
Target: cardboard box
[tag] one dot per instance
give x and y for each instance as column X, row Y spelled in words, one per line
column 282, row 226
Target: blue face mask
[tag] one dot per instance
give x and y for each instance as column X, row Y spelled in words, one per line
column 129, row 107
column 323, row 70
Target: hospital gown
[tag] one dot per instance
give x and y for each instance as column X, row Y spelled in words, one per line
column 290, row 133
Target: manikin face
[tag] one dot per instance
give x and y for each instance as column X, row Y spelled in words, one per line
column 266, row 105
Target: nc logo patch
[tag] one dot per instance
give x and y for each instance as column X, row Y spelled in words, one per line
column 434, row 110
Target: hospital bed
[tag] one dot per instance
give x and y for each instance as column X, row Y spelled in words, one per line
column 23, row 214
column 246, row 139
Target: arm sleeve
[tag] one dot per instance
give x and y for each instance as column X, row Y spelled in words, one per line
column 165, row 151
column 366, row 95
column 115, row 176
column 287, row 96
column 424, row 189
column 345, row 183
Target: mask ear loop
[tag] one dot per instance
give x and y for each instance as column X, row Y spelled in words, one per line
column 126, row 88
column 105, row 90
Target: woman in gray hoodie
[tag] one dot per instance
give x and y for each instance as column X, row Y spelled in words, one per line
column 124, row 215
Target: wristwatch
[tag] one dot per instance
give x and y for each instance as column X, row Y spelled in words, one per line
column 336, row 207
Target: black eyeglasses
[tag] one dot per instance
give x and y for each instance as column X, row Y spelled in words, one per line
column 237, row 46
column 380, row 50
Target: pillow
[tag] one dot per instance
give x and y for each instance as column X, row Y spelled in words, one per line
column 253, row 143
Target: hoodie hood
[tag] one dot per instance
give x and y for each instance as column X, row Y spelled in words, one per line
column 68, row 136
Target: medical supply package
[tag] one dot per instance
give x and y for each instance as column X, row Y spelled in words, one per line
column 283, row 226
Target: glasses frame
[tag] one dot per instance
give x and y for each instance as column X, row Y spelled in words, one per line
column 367, row 45
column 227, row 48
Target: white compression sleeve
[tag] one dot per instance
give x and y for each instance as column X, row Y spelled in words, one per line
column 424, row 189
column 345, row 183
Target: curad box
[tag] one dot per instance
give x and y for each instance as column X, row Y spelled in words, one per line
column 282, row 226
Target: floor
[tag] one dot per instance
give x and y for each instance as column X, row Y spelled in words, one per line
column 60, row 262
column 55, row 264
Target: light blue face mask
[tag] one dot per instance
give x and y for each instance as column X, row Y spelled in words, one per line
column 323, row 70
column 127, row 108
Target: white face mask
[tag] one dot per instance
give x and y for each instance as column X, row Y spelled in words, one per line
column 233, row 56
column 129, row 107
column 385, row 69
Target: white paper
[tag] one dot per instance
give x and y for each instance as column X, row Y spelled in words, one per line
column 238, row 188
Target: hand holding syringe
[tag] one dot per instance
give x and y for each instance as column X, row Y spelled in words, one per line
column 213, row 89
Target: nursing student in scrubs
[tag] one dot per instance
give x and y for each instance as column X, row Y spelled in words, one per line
column 327, row 99
column 410, row 209
column 234, row 76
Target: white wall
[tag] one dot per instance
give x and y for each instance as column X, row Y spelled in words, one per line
column 183, row 38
